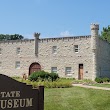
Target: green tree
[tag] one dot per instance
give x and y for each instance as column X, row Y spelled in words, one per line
column 11, row 37
column 105, row 33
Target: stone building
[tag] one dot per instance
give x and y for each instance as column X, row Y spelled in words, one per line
column 80, row 57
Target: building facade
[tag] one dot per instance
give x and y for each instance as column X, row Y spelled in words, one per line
column 80, row 57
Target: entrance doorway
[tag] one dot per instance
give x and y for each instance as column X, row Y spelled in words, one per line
column 34, row 67
column 80, row 75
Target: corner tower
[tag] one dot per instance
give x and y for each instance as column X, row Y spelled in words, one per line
column 94, row 46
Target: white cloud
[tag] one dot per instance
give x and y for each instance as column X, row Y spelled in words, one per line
column 65, row 34
column 61, row 34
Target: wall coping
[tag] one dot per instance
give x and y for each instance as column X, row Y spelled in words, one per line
column 43, row 39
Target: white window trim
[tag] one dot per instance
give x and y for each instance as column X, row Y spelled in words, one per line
column 54, row 49
column 17, row 65
column 54, row 69
column 67, row 71
column 18, row 51
column 76, row 49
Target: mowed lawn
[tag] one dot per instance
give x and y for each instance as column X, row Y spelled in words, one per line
column 76, row 98
column 101, row 85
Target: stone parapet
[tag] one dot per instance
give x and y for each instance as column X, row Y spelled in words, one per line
column 94, row 26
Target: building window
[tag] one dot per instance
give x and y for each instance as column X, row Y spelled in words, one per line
column 17, row 65
column 54, row 49
column 68, row 70
column 54, row 69
column 0, row 51
column 18, row 51
column 76, row 48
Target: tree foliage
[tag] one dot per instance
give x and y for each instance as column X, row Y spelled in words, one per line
column 105, row 33
column 10, row 37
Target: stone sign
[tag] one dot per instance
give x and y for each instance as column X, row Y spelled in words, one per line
column 19, row 96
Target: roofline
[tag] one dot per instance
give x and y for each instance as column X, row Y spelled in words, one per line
column 53, row 38
column 66, row 37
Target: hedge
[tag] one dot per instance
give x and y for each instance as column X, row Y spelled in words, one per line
column 42, row 75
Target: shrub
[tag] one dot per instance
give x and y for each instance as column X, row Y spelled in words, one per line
column 33, row 77
column 56, row 84
column 42, row 75
column 98, row 80
column 38, row 75
column 105, row 79
column 101, row 80
column 54, row 76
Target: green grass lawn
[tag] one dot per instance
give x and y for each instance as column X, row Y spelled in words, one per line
column 76, row 98
column 101, row 85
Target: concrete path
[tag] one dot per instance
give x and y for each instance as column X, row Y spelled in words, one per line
column 93, row 87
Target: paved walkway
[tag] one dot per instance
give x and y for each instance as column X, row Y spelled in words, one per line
column 94, row 87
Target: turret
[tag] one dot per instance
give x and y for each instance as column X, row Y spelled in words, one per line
column 94, row 29
column 36, row 35
column 94, row 47
column 94, row 35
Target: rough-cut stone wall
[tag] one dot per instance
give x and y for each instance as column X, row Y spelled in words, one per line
column 9, row 57
column 94, row 54
column 103, row 58
column 65, row 56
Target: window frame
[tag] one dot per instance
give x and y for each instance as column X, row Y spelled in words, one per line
column 17, row 64
column 76, row 48
column 18, row 50
column 53, row 69
column 54, row 49
column 68, row 70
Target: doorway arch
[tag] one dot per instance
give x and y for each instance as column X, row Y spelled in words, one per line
column 34, row 67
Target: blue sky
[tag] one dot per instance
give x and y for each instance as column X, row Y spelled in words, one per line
column 52, row 18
